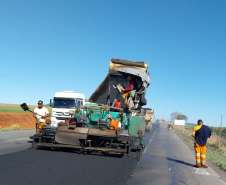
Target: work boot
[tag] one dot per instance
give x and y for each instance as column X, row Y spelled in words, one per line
column 196, row 166
column 204, row 166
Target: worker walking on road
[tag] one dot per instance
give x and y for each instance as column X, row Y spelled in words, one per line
column 170, row 125
column 201, row 133
column 40, row 113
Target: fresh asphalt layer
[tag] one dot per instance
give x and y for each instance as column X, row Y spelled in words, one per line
column 21, row 164
column 166, row 160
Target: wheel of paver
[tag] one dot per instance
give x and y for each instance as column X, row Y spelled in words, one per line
column 104, row 153
column 80, row 151
column 121, row 155
column 85, row 152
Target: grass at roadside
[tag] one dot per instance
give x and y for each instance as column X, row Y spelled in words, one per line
column 190, row 124
column 13, row 109
column 17, row 109
column 12, row 127
column 214, row 153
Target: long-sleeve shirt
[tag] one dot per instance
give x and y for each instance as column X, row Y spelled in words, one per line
column 131, row 87
column 201, row 134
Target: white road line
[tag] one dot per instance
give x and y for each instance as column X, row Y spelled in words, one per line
column 150, row 141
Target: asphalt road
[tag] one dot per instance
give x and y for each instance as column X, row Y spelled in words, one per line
column 14, row 141
column 20, row 164
column 166, row 160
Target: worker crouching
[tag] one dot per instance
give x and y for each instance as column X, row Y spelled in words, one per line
column 40, row 113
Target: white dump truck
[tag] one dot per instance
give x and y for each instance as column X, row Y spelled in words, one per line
column 63, row 102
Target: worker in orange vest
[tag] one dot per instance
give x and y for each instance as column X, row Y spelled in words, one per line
column 170, row 125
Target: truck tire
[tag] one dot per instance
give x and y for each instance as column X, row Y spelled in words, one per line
column 148, row 127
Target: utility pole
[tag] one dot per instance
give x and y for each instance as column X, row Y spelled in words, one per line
column 221, row 120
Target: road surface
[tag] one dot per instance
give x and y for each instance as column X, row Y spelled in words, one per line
column 166, row 160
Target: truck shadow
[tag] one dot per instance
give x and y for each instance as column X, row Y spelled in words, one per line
column 179, row 161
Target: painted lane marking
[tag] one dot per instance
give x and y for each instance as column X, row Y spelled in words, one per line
column 150, row 141
column 202, row 172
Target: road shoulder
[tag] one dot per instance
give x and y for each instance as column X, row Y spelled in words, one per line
column 168, row 160
column 215, row 168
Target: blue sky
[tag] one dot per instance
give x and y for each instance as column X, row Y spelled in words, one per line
column 60, row 45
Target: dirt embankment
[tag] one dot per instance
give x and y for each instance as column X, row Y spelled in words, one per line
column 24, row 120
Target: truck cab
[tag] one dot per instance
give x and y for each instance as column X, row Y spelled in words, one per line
column 63, row 102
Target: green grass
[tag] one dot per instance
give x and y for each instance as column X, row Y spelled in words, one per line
column 215, row 156
column 217, row 159
column 12, row 109
column 190, row 124
column 17, row 109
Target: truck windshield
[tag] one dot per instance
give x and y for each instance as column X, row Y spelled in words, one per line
column 64, row 103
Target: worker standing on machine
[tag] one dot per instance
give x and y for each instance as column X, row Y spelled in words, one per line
column 133, row 86
column 40, row 113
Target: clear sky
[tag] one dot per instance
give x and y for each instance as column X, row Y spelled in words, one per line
column 58, row 45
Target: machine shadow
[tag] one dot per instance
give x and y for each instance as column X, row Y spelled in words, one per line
column 179, row 161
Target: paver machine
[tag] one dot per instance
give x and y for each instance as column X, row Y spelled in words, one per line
column 100, row 126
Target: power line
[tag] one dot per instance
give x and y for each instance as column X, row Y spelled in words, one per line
column 26, row 83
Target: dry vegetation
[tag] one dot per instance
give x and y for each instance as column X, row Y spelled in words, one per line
column 12, row 127
column 216, row 140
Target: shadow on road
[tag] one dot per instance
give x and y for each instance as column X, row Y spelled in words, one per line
column 179, row 161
